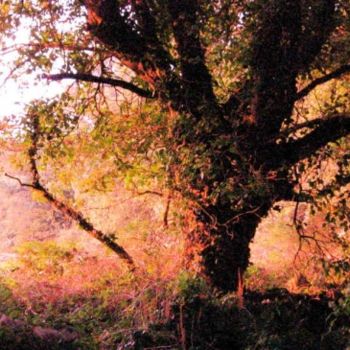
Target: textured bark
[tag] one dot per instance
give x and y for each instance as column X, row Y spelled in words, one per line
column 224, row 248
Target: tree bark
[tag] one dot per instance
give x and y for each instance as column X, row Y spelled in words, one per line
column 224, row 248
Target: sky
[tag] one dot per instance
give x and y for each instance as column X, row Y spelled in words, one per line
column 14, row 98
column 15, row 95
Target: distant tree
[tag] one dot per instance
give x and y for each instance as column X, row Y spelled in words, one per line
column 227, row 76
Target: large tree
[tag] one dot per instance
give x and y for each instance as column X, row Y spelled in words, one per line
column 229, row 74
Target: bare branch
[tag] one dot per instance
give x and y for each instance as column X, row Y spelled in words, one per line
column 107, row 240
column 87, row 226
column 159, row 194
column 333, row 75
column 166, row 212
column 24, row 184
column 327, row 130
column 102, row 80
column 299, row 224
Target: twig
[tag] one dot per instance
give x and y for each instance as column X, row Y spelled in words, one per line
column 236, row 217
column 19, row 181
column 142, row 193
column 166, row 212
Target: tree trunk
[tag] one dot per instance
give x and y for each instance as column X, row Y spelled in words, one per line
column 229, row 193
column 223, row 247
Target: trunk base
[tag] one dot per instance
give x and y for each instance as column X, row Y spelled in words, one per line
column 221, row 253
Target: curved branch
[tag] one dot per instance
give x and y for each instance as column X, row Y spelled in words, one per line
column 101, row 80
column 327, row 130
column 309, row 124
column 23, row 184
column 70, row 212
column 333, row 75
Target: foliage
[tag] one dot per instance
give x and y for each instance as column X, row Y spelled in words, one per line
column 44, row 256
column 125, row 311
column 67, row 289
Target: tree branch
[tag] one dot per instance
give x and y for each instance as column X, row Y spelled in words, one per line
column 108, row 20
column 24, row 184
column 70, row 212
column 333, row 75
column 328, row 130
column 274, row 62
column 50, row 45
column 318, row 22
column 195, row 75
column 101, row 80
column 306, row 125
column 155, row 193
column 146, row 21
column 166, row 212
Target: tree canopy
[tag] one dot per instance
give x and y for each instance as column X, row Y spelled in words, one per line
column 213, row 100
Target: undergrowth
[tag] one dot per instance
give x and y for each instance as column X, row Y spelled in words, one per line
column 102, row 306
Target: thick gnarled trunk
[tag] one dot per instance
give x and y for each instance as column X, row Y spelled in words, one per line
column 223, row 247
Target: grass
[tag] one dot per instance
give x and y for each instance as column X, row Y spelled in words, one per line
column 61, row 287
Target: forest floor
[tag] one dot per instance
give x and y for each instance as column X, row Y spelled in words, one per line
column 76, row 301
